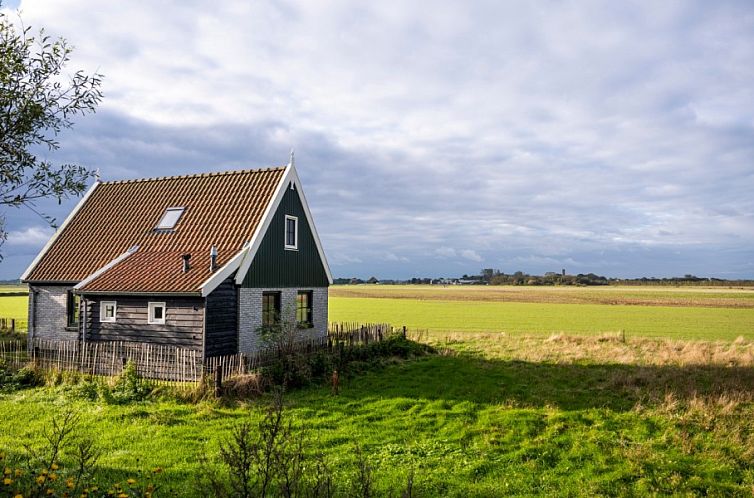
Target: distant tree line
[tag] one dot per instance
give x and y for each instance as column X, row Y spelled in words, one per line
column 490, row 276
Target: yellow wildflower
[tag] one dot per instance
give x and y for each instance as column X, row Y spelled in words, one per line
column 7, row 471
column 157, row 470
column 7, row 481
column 19, row 472
column 40, row 480
column 123, row 495
column 131, row 481
column 19, row 495
column 50, row 491
column 54, row 466
column 69, row 483
column 53, row 476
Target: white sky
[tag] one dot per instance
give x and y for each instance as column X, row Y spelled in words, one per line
column 436, row 138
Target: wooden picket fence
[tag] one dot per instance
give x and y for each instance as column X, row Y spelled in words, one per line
column 167, row 364
column 13, row 324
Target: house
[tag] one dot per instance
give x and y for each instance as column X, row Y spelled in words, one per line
column 198, row 261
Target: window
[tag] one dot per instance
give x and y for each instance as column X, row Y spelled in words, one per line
column 72, row 308
column 107, row 311
column 304, row 309
column 170, row 218
column 291, row 232
column 270, row 308
column 156, row 313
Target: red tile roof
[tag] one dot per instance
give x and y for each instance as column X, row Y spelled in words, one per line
column 221, row 209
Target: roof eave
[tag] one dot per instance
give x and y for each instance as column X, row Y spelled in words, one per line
column 85, row 292
column 290, row 175
column 54, row 237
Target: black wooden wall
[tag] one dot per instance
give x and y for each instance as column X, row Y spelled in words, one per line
column 274, row 266
column 222, row 320
column 184, row 317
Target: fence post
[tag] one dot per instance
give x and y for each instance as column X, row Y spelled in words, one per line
column 404, row 331
column 12, row 324
column 218, row 381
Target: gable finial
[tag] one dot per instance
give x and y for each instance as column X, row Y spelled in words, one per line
column 292, row 162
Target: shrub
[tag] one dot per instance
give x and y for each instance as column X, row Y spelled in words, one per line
column 13, row 380
column 128, row 387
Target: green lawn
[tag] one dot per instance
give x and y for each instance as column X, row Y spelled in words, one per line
column 548, row 318
column 468, row 425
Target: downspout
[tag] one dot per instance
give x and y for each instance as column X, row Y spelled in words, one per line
column 82, row 317
column 32, row 315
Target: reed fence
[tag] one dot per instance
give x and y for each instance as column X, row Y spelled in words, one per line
column 167, row 364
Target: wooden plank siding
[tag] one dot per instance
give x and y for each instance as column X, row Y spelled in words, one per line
column 274, row 266
column 221, row 332
column 184, row 321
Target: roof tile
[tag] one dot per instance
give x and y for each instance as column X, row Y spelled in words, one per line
column 221, row 209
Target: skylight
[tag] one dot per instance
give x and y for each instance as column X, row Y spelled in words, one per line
column 170, row 218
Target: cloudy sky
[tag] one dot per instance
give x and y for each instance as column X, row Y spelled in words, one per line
column 438, row 138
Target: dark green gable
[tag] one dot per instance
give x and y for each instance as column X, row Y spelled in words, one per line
column 273, row 266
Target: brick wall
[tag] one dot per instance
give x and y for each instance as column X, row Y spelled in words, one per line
column 49, row 319
column 250, row 314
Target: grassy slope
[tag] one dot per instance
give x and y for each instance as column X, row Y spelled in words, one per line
column 477, row 425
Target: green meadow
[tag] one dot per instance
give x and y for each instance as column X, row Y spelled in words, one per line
column 548, row 318
column 14, row 307
column 468, row 424
column 561, row 404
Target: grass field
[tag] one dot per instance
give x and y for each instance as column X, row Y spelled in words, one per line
column 676, row 312
column 548, row 416
column 683, row 313
column 558, row 405
column 14, row 307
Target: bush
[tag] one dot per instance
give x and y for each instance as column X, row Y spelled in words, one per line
column 275, row 458
column 128, row 387
column 297, row 369
column 12, row 380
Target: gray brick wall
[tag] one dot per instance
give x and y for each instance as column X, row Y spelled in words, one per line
column 250, row 314
column 49, row 319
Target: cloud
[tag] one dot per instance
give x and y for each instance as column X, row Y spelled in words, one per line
column 445, row 252
column 616, row 142
column 34, row 237
column 471, row 255
column 389, row 256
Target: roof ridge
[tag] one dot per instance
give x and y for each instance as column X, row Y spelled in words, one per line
column 196, row 175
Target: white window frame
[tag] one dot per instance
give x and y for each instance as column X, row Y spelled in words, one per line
column 162, row 226
column 152, row 306
column 103, row 306
column 294, row 247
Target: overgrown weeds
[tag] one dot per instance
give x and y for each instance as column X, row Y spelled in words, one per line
column 38, row 470
column 276, row 458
